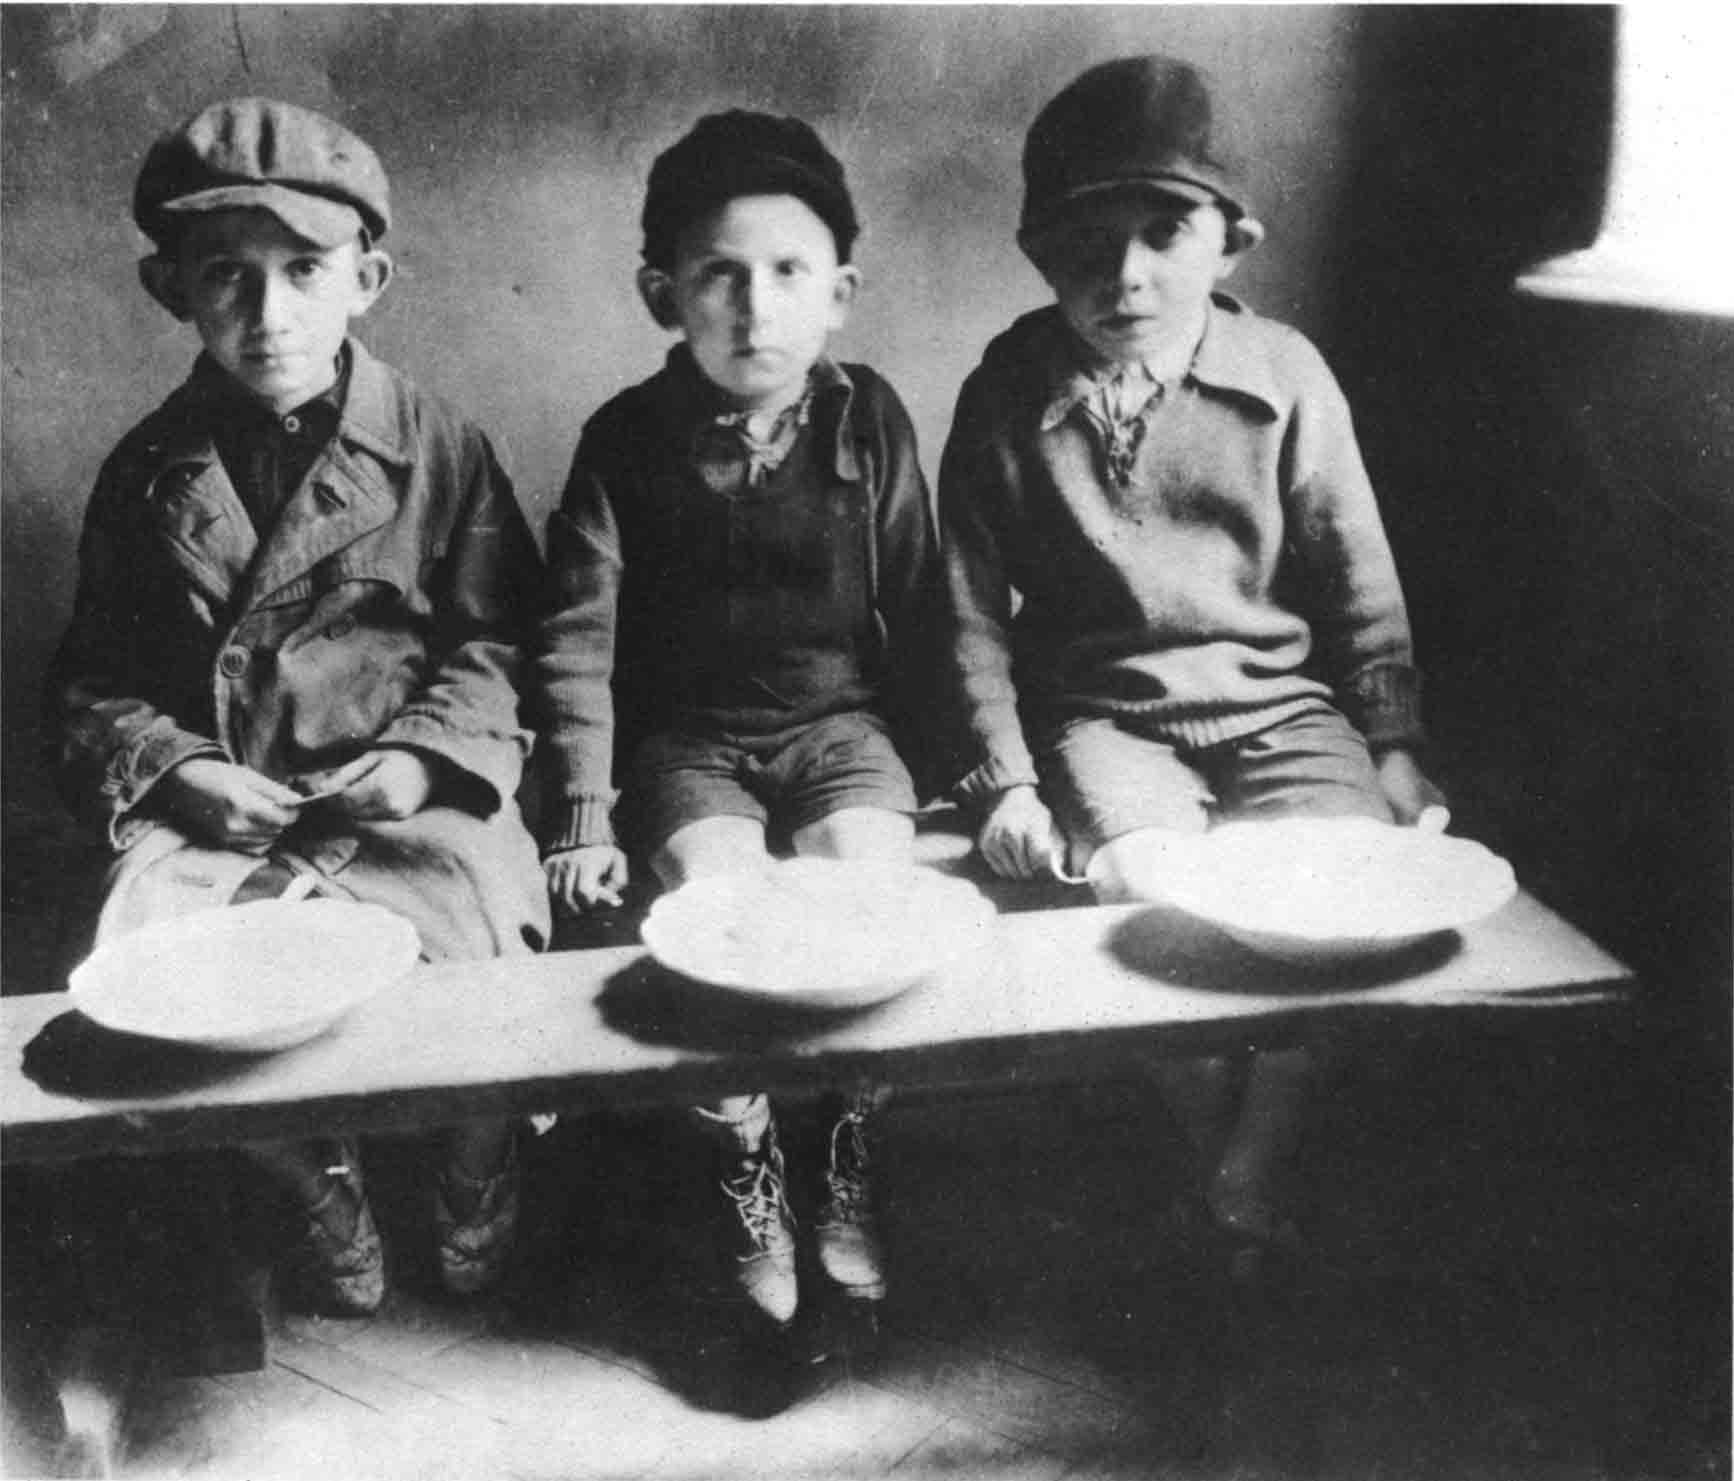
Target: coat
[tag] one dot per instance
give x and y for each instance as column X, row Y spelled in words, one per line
column 387, row 605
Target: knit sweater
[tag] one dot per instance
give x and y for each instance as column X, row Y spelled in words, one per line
column 1234, row 572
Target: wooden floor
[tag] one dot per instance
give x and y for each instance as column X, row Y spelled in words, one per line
column 1502, row 1286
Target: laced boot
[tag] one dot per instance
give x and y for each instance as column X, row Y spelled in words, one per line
column 759, row 1226
column 476, row 1224
column 849, row 1246
column 336, row 1266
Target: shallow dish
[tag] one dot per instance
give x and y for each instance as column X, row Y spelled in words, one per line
column 818, row 933
column 1322, row 889
column 245, row 978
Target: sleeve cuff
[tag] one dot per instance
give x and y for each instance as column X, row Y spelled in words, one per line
column 578, row 823
column 1385, row 704
column 995, row 775
column 495, row 759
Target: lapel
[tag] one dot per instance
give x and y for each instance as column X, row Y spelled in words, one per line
column 200, row 517
column 347, row 493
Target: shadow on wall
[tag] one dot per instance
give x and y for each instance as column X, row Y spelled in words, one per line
column 1555, row 477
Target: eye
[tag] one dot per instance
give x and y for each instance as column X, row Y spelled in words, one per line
column 220, row 272
column 1164, row 231
column 793, row 268
column 308, row 269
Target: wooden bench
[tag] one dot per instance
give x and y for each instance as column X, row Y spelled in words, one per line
column 1055, row 995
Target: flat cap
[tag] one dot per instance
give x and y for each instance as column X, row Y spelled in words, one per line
column 1142, row 121
column 737, row 153
column 310, row 172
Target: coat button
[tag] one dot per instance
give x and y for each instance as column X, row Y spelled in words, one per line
column 232, row 662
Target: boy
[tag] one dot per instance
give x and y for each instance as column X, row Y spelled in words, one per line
column 1211, row 623
column 296, row 632
column 742, row 553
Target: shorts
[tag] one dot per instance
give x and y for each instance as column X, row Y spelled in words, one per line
column 786, row 781
column 1101, row 778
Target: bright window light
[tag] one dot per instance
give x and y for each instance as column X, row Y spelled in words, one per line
column 1667, row 222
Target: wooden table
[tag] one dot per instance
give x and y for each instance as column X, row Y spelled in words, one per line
column 1051, row 995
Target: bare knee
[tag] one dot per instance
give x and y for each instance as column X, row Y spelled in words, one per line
column 1136, row 865
column 858, row 833
column 726, row 844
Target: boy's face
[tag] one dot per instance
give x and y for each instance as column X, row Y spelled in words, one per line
column 1133, row 272
column 756, row 290
column 270, row 308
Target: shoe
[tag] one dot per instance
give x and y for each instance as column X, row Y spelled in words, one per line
column 847, row 1232
column 473, row 1250
column 761, row 1230
column 337, row 1265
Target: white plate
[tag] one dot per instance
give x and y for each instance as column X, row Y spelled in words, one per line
column 1320, row 889
column 818, row 933
column 249, row 978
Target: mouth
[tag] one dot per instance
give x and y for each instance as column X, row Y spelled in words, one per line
column 1123, row 323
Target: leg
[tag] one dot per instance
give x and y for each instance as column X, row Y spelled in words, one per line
column 1317, row 766
column 852, row 799
column 722, row 844
column 874, row 833
column 754, row 1216
column 475, row 1205
column 337, row 1264
column 846, row 1229
column 756, row 1223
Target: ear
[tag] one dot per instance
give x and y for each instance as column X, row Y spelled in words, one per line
column 844, row 287
column 1242, row 236
column 161, row 278
column 656, row 288
column 373, row 270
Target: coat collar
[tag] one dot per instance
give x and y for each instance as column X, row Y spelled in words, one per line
column 688, row 402
column 1229, row 359
column 345, row 495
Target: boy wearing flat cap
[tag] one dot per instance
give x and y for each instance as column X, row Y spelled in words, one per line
column 291, row 662
column 1173, row 598
column 742, row 559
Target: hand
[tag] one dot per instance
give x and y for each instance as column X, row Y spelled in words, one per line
column 225, row 804
column 1405, row 787
column 583, row 878
column 389, row 783
column 1018, row 838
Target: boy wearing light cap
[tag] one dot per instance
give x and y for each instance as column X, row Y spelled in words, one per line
column 743, row 560
column 292, row 657
column 1173, row 597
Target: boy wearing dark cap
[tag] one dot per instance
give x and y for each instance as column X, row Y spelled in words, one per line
column 292, row 656
column 1208, row 620
column 743, row 554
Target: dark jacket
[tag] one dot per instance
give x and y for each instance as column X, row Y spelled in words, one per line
column 387, row 605
column 604, row 666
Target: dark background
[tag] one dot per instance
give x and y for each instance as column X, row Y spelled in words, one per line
column 1558, row 478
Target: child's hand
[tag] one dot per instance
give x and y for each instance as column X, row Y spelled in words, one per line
column 583, row 878
column 225, row 804
column 1018, row 838
column 389, row 783
column 1405, row 787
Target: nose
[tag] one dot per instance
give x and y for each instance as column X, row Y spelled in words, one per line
column 269, row 302
column 1134, row 270
column 752, row 297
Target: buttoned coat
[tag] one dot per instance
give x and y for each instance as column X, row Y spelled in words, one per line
column 386, row 606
